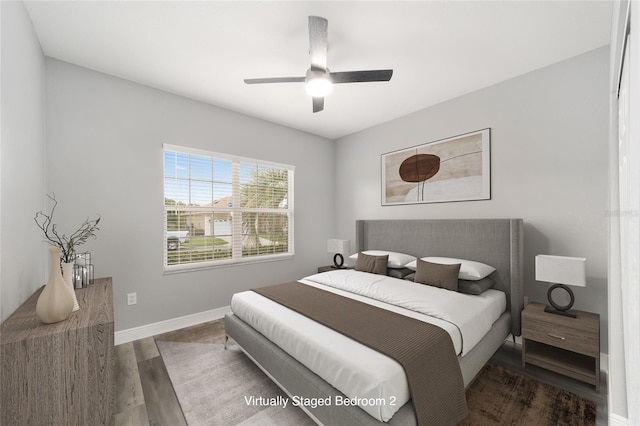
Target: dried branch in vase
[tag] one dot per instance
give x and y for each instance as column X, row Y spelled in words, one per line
column 68, row 244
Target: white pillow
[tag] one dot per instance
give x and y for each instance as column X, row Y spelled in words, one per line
column 469, row 270
column 396, row 260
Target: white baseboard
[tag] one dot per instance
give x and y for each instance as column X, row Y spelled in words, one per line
column 616, row 420
column 154, row 329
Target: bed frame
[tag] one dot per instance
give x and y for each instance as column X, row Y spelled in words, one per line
column 497, row 242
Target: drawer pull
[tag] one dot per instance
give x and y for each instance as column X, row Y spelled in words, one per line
column 555, row 336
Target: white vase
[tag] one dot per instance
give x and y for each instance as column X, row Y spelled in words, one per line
column 67, row 274
column 55, row 303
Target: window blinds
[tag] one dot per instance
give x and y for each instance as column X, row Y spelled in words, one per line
column 224, row 209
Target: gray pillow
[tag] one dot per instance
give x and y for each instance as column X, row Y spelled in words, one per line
column 373, row 264
column 399, row 272
column 466, row 286
column 475, row 287
column 437, row 274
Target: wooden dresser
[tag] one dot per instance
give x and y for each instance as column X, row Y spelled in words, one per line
column 61, row 373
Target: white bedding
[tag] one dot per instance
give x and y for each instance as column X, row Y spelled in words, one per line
column 354, row 369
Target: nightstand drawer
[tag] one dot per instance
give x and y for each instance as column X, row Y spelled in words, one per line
column 560, row 336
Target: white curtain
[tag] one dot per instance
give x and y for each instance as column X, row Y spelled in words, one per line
column 625, row 236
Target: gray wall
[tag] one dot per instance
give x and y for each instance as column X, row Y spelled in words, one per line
column 22, row 251
column 104, row 155
column 549, row 132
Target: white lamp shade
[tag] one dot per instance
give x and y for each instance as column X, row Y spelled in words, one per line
column 318, row 83
column 561, row 270
column 339, row 246
column 319, row 87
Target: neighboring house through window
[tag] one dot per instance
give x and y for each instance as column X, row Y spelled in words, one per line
column 221, row 209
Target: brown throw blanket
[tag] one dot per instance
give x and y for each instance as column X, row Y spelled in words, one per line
column 425, row 351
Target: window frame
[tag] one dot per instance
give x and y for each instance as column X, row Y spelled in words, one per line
column 235, row 211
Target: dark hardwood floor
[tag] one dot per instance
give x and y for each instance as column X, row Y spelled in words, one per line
column 145, row 394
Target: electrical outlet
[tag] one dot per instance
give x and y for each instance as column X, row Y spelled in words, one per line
column 132, row 298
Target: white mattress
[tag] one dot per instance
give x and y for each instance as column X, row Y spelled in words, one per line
column 352, row 368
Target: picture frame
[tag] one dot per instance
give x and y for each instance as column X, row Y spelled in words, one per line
column 457, row 168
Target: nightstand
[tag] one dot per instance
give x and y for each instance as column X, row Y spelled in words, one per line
column 569, row 346
column 330, row 268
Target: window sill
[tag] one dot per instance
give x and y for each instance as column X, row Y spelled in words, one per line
column 179, row 269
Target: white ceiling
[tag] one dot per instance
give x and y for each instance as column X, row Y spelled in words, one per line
column 204, row 49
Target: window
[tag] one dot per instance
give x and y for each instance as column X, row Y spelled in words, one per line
column 221, row 209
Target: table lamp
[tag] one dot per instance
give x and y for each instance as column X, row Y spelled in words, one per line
column 561, row 271
column 340, row 248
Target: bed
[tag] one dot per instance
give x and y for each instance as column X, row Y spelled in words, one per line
column 496, row 242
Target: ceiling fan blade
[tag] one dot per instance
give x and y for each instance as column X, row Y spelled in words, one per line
column 274, row 80
column 361, row 76
column 318, row 42
column 318, row 104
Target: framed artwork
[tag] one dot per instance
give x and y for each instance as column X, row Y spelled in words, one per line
column 453, row 169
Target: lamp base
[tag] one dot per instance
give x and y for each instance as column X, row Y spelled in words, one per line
column 566, row 313
column 557, row 308
column 338, row 261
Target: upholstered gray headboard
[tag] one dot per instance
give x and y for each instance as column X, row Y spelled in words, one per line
column 496, row 242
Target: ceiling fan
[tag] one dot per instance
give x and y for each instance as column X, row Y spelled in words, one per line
column 318, row 79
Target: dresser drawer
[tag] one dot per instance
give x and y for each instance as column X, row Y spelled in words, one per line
column 580, row 341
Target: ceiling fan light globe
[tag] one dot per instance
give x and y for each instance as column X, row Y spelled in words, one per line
column 319, row 87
